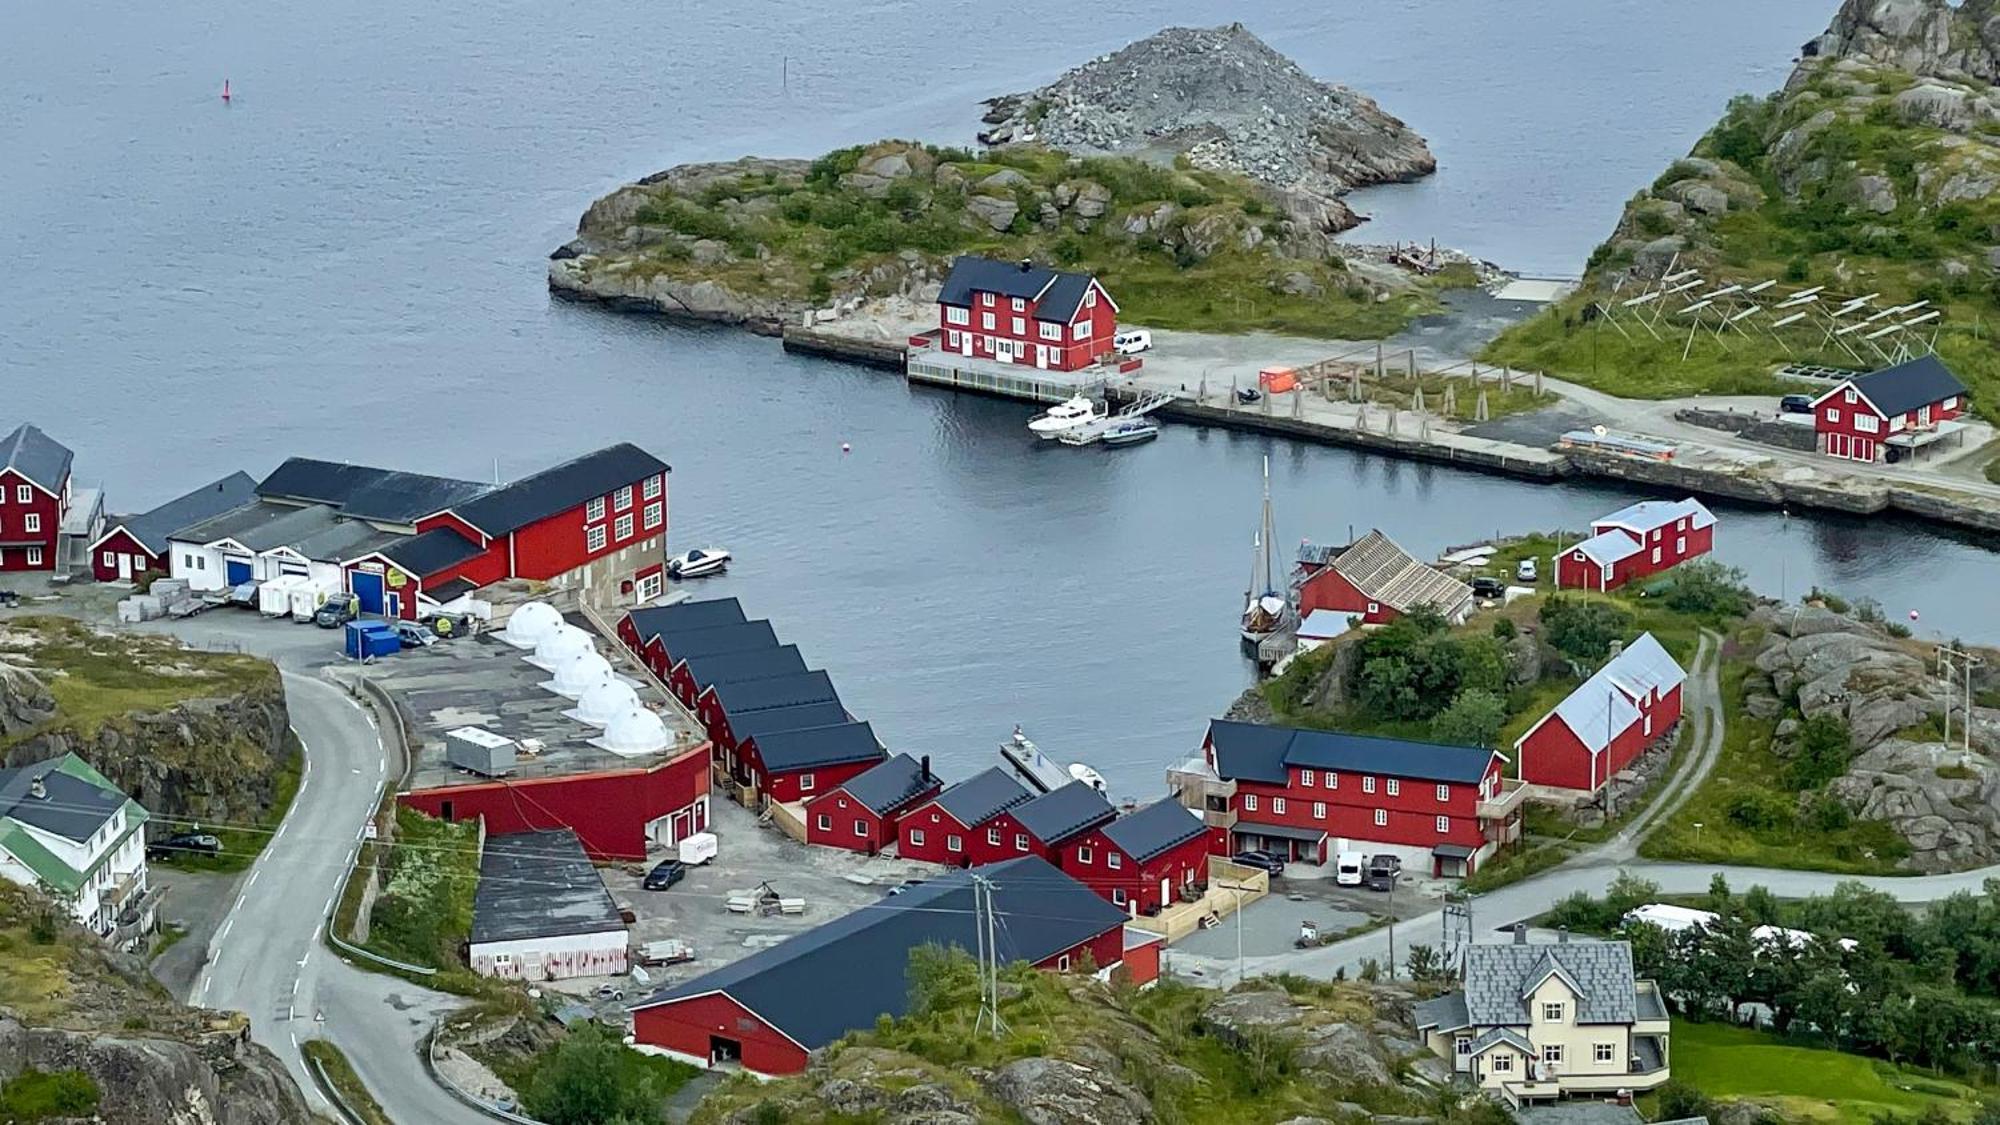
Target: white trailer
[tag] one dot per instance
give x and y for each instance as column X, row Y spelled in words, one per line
column 274, row 598
column 307, row 597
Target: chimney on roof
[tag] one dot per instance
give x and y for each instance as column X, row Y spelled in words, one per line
column 1617, row 647
column 1562, row 935
column 37, row 790
column 1027, row 264
column 924, row 764
column 1520, row 933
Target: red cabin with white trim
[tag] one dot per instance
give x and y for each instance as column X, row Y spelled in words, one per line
column 1636, row 541
column 1610, row 719
column 1018, row 312
column 1866, row 416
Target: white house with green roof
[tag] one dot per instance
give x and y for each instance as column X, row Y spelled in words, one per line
column 65, row 829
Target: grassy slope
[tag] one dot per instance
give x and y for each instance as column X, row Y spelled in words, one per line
column 424, row 913
column 1815, row 238
column 241, row 846
column 1804, row 1083
column 98, row 677
column 820, row 229
column 353, row 1092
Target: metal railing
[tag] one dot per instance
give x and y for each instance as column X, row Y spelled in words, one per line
column 471, row 1099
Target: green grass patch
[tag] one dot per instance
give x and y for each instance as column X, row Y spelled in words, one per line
column 241, row 845
column 100, row 677
column 590, row 1076
column 168, row 936
column 346, row 1083
column 424, row 912
column 1514, row 866
column 1806, row 1083
column 42, row 1095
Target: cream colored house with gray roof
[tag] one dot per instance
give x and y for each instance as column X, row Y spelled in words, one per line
column 1538, row 1022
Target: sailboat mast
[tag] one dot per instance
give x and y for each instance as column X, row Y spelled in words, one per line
column 1268, row 532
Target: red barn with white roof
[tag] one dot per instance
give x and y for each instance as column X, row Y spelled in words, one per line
column 1019, row 312
column 1635, row 541
column 1606, row 722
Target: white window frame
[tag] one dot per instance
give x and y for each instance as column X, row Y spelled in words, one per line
column 955, row 315
column 1278, row 806
column 110, row 558
column 1090, row 297
column 1062, row 963
column 1020, row 326
column 860, row 827
column 593, row 537
column 34, row 556
column 1444, row 825
column 1319, row 810
column 1381, row 818
column 986, row 321
column 1118, row 896
column 1020, row 841
column 1113, row 860
column 656, row 514
column 622, row 499
column 1502, row 1064
column 993, row 836
column 954, row 843
column 1249, row 802
column 1395, row 787
column 33, row 522
column 622, row 529
column 1552, row 1054
column 1832, row 415
column 916, row 837
column 1019, row 304
column 825, row 822
column 652, row 487
column 1866, row 423
column 24, row 494
column 1444, row 792
column 1049, row 331
column 1081, row 331
column 594, row 510
column 1083, row 853
column 1306, row 778
column 1332, row 780
column 1604, row 1052
column 1552, row 1011
column 805, row 782
column 1368, row 784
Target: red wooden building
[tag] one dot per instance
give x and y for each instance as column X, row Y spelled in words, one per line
column 861, row 813
column 1143, row 860
column 1636, row 541
column 1888, row 413
column 1309, row 794
column 641, row 625
column 34, row 498
column 1018, row 312
column 137, row 545
column 696, row 672
column 791, row 765
column 968, row 824
column 733, row 699
column 1632, row 702
column 1377, row 581
column 1048, row 822
column 610, row 809
column 771, row 1011
column 735, row 740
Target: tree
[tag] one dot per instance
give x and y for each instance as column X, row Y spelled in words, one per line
column 1473, row 719
column 1426, row 967
column 582, row 1083
column 1824, row 747
column 1760, row 906
column 1706, row 588
column 1678, row 1099
column 1583, row 629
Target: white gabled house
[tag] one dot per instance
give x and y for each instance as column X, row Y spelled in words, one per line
column 65, row 829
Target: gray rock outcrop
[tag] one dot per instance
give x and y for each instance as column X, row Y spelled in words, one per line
column 1227, row 101
column 1045, row 1091
column 1944, row 801
column 154, row 1080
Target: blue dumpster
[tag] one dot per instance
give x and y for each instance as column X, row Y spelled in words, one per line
column 367, row 639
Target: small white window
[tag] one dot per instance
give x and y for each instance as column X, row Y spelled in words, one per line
column 1249, row 802
column 1019, row 304
column 653, row 487
column 655, row 515
column 1604, row 1052
column 805, row 781
column 1444, row 824
column 1832, row 415
column 1395, row 787
column 1050, row 331
column 1083, row 853
column 593, row 537
column 1020, row 326
column 1020, row 841
column 916, row 837
column 1368, row 785
column 594, row 510
column 33, row 522
column 1090, row 297
column 1082, row 331
column 954, row 844
column 623, row 528
column 1319, row 810
column 1950, row 403
column 1306, row 778
column 1552, row 1012
column 955, row 315
column 1552, row 1053
column 825, row 822
column 110, row 558
column 1444, row 792
column 1503, row 1064
column 1332, row 780
column 23, row 493
column 623, row 499
column 986, row 321
column 34, row 556
column 1113, row 860
column 1278, row 805
column 993, row 837
column 1381, row 817
column 1849, row 396
column 1681, row 545
column 1374, row 607
column 1062, row 963
column 1118, row 896
column 861, row 828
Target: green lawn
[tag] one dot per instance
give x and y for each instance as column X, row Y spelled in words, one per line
column 1805, row 1083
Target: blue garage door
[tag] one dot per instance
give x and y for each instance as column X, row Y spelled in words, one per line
column 368, row 590
column 238, row 571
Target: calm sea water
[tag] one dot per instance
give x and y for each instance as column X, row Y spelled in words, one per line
column 347, row 262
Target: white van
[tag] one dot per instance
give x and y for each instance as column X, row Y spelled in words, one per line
column 1348, row 868
column 1132, row 341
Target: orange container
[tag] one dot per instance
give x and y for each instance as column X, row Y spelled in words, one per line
column 1278, row 380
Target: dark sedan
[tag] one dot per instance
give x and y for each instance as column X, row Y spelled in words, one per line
column 665, row 874
column 1264, row 860
column 197, row 843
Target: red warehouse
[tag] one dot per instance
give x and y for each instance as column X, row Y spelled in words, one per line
column 861, row 813
column 666, row 649
column 1048, row 822
column 791, row 765
column 137, row 545
column 1309, row 794
column 967, row 824
column 1143, row 860
column 1635, row 541
column 693, row 675
column 1891, row 413
column 1631, row 703
column 643, row 624
column 771, row 1011
column 1026, row 314
column 34, row 498
column 1375, row 580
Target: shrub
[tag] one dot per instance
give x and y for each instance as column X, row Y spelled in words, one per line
column 1503, row 629
column 1828, row 813
column 1680, row 1100
column 1473, row 719
column 1739, row 136
column 1583, row 629
column 581, row 1082
column 1709, row 589
column 35, row 1095
column 1824, row 748
column 1830, row 600
column 1759, row 810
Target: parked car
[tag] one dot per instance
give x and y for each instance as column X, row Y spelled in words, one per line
column 337, row 610
column 413, row 635
column 1795, row 404
column 1526, row 572
column 1347, row 869
column 665, row 874
column 1265, row 860
column 448, row 625
column 1248, row 395
column 1132, row 341
column 1383, row 871
column 1486, row 586
column 904, row 886
column 609, row 992
column 197, row 843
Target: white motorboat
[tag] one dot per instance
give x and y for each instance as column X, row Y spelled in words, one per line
column 695, row 563
column 1066, row 416
column 1080, row 772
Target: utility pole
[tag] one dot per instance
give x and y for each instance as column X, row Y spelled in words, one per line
column 1238, row 888
column 1393, row 880
column 989, row 958
column 1946, row 668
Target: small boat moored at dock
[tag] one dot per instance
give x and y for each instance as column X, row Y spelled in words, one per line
column 1130, row 432
column 1071, row 414
column 695, row 563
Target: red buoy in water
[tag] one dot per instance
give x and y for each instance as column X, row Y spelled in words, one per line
column 225, row 89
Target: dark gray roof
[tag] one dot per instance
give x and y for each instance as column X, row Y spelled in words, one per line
column 1919, row 382
column 840, row 976
column 72, row 807
column 1279, row 831
column 365, row 492
column 1255, row 752
column 744, row 664
column 650, row 620
column 740, row 697
column 1151, row 831
column 446, row 591
column 37, row 456
column 890, row 785
column 1057, row 815
column 742, row 636
column 1445, row 1013
column 345, row 540
column 754, row 724
column 261, row 526
column 1060, row 292
column 568, row 485
column 152, row 529
column 1493, row 1037
column 803, row 748
column 982, row 796
column 1498, row 977
column 428, row 552
column 539, row 884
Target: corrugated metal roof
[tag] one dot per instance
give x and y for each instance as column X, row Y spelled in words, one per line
column 1386, row 573
column 739, row 697
column 366, row 492
column 1256, row 752
column 888, row 786
column 1605, row 704
column 568, row 485
column 650, row 620
column 1153, row 830
column 152, row 529
column 807, row 747
column 1608, row 547
column 1057, row 815
column 539, row 885
column 982, row 796
column 1646, row 515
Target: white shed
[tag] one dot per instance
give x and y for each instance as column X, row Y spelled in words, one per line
column 542, row 912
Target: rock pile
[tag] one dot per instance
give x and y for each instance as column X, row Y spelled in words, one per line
column 1226, row 100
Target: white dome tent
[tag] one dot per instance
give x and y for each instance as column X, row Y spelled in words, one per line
column 635, row 732
column 531, row 623
column 576, row 674
column 604, row 701
column 561, row 643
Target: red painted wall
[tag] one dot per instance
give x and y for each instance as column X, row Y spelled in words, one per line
column 121, row 543
column 406, row 594
column 1104, row 950
column 608, row 809
column 1329, row 589
column 1833, row 420
column 1187, row 863
column 14, row 522
column 1072, row 353
column 685, row 1026
column 1552, row 754
column 843, row 811
column 939, row 827
column 1143, row 962
column 559, row 544
column 787, row 787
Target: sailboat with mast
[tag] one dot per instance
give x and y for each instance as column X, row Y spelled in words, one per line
column 1265, row 609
